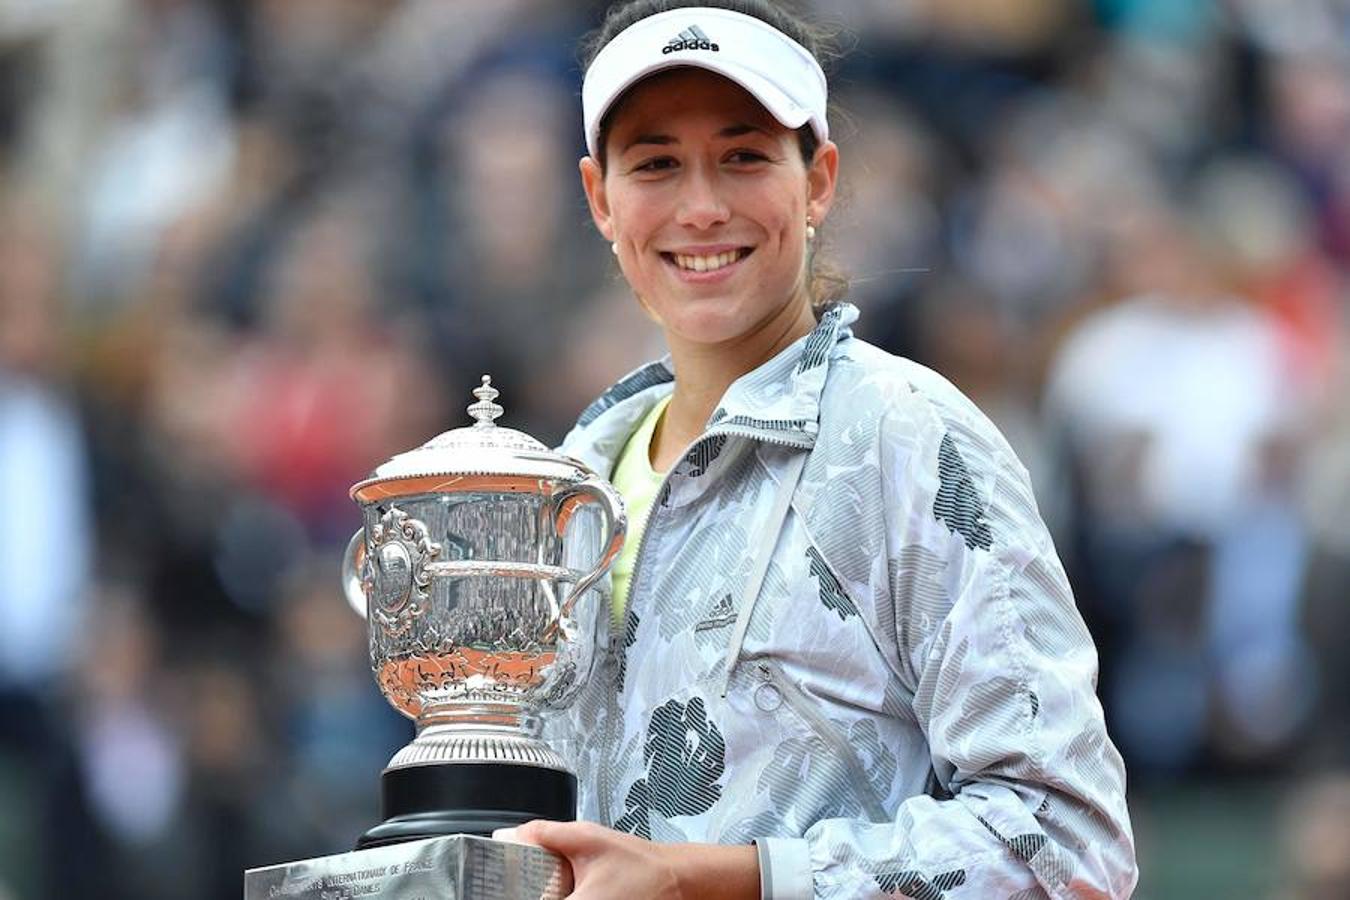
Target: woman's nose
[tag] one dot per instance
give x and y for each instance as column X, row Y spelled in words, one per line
column 701, row 203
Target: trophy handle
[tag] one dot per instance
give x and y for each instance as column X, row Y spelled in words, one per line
column 352, row 561
column 592, row 490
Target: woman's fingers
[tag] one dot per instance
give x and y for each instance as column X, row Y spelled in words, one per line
column 612, row 865
column 571, row 839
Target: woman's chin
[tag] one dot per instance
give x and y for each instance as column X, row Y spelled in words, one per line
column 719, row 321
column 708, row 328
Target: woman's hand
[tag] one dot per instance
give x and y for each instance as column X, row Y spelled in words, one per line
column 607, row 863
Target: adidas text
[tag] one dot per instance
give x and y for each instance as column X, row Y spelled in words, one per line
column 689, row 45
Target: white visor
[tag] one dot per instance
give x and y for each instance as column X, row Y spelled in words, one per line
column 780, row 73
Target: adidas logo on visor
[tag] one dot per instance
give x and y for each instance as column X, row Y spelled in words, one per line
column 692, row 38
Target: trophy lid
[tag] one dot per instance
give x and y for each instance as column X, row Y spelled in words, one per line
column 452, row 460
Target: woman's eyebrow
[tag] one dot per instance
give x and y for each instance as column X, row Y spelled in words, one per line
column 665, row 140
column 743, row 128
column 659, row 139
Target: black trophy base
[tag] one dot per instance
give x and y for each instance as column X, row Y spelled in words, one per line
column 468, row 798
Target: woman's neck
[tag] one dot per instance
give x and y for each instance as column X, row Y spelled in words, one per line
column 704, row 372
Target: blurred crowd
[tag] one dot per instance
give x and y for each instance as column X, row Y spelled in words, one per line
column 251, row 248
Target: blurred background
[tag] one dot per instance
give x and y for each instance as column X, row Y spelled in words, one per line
column 249, row 248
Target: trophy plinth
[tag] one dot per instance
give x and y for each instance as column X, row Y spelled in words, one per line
column 476, row 799
column 462, row 867
column 475, row 550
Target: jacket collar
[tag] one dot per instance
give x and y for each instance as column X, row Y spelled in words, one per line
column 779, row 400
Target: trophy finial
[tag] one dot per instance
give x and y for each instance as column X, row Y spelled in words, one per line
column 485, row 411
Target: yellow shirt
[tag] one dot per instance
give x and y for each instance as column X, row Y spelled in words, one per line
column 637, row 484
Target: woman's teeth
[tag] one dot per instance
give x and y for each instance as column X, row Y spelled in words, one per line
column 706, row 263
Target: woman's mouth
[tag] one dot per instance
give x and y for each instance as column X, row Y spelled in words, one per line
column 695, row 264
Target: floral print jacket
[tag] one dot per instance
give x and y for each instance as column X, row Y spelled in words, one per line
column 849, row 640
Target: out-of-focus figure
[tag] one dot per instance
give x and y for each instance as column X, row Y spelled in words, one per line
column 327, row 383
column 1178, row 411
column 45, row 549
column 44, row 540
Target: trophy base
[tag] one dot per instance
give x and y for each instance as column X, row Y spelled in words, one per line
column 461, row 867
column 468, row 798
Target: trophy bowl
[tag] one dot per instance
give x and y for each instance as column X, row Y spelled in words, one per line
column 471, row 567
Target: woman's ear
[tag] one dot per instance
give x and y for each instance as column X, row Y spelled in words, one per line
column 593, row 183
column 821, row 177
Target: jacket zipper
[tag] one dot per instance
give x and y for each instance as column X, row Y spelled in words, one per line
column 617, row 649
column 801, row 704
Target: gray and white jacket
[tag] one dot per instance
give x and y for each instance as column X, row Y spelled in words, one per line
column 849, row 640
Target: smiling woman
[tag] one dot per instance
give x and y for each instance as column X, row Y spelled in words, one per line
column 845, row 659
column 707, row 202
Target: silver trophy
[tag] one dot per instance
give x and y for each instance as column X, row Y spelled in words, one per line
column 471, row 569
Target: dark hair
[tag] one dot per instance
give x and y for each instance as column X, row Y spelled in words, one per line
column 828, row 285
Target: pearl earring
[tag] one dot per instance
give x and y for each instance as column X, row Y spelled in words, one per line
column 810, row 231
column 614, row 248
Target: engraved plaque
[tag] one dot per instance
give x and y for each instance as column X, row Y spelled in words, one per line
column 458, row 867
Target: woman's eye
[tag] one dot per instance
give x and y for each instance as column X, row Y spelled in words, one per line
column 658, row 164
column 746, row 156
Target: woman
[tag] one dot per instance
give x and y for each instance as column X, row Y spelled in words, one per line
column 849, row 663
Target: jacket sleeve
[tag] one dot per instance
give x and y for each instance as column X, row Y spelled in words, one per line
column 1029, row 793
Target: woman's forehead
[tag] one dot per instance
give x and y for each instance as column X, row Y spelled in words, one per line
column 660, row 98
